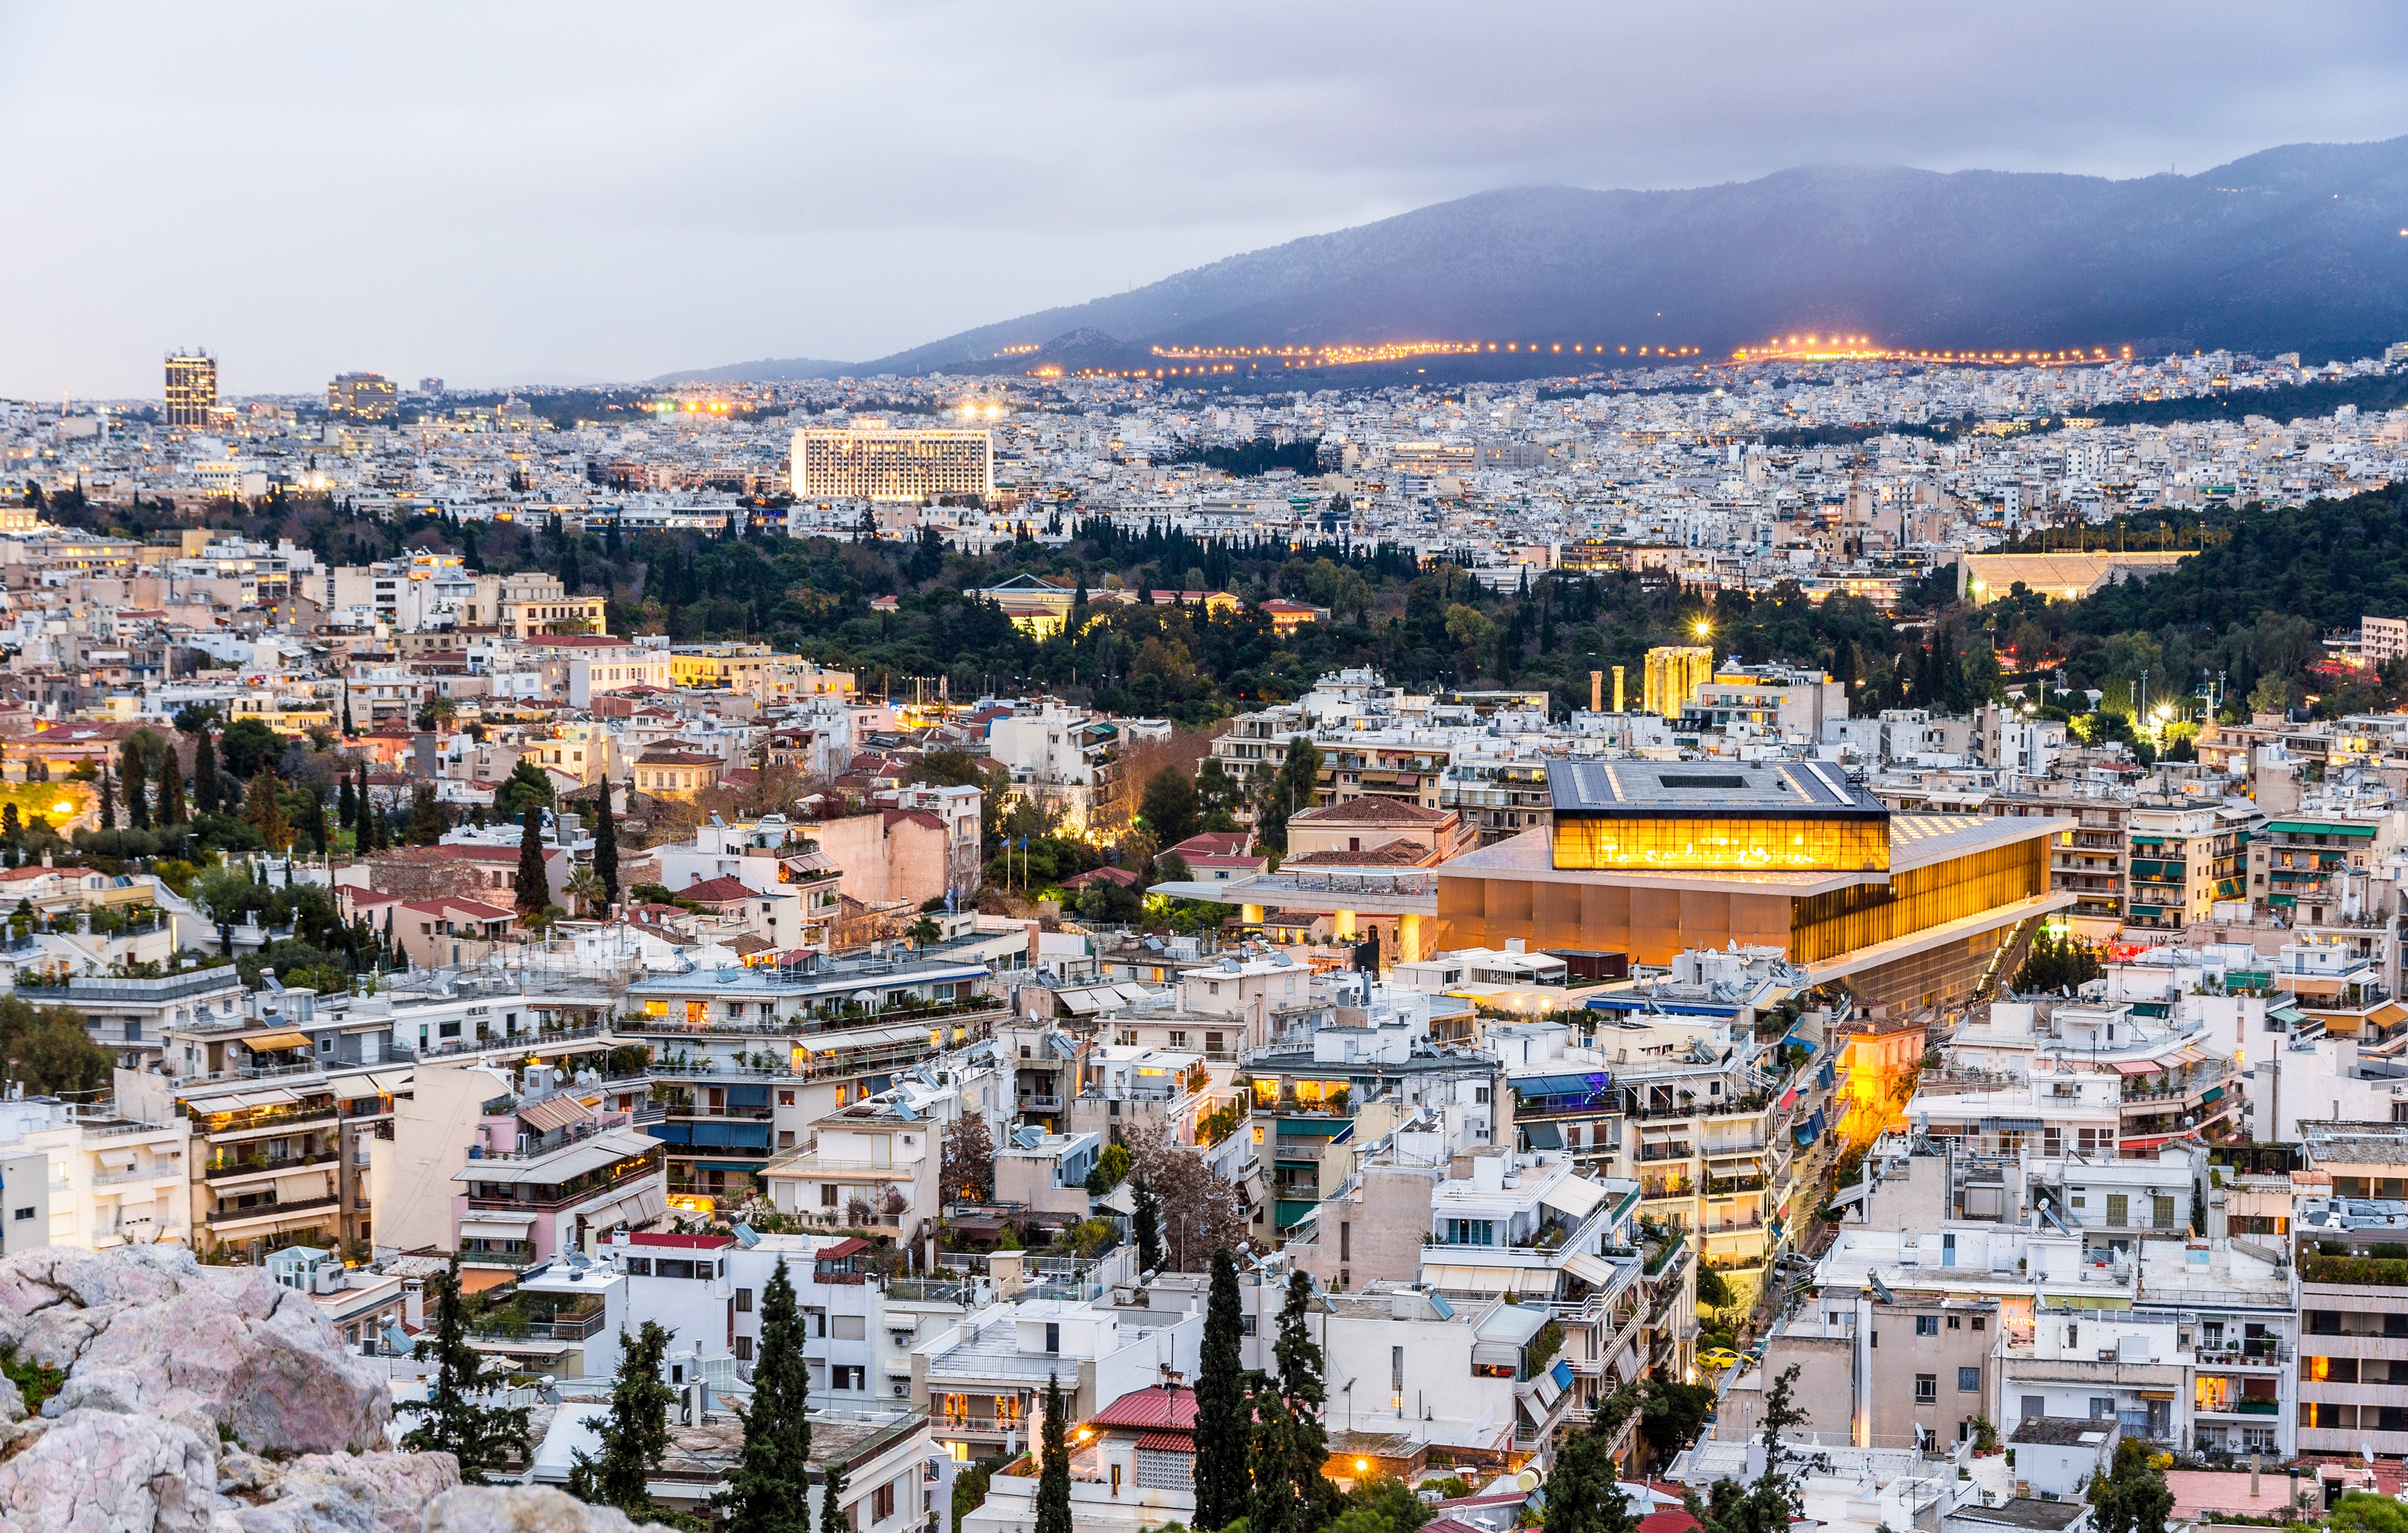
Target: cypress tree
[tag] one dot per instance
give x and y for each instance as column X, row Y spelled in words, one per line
column 1222, row 1475
column 137, row 801
column 171, row 788
column 1053, row 1467
column 107, row 802
column 531, row 891
column 770, row 1489
column 450, row 1419
column 347, row 806
column 206, row 796
column 635, row 1435
column 1145, row 1223
column 606, row 846
column 1289, row 1490
column 348, row 733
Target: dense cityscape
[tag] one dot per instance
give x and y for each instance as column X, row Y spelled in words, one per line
column 1573, row 769
column 975, row 916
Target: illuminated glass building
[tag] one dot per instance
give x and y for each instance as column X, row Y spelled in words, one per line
column 1655, row 857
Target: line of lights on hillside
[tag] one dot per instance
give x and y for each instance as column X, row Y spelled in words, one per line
column 1206, row 361
column 1862, row 349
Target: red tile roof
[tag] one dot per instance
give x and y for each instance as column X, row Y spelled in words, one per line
column 1153, row 1409
column 1369, row 810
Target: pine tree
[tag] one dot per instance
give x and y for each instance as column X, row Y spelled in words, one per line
column 1583, row 1488
column 263, row 812
column 450, row 1421
column 531, row 891
column 138, row 800
column 606, row 846
column 427, row 819
column 1222, row 1474
column 770, row 1489
column 832, row 1517
column 1292, row 787
column 1053, row 1466
column 1145, row 1224
column 634, row 1434
column 205, row 797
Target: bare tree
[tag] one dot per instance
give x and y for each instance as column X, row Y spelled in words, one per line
column 967, row 1168
column 1202, row 1210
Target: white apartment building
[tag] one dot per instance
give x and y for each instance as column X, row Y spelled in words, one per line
column 75, row 1177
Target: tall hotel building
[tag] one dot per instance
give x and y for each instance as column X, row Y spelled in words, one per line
column 192, row 388
column 871, row 463
column 1654, row 857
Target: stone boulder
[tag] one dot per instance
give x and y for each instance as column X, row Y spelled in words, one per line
column 148, row 1331
column 525, row 1509
column 99, row 1471
column 343, row 1492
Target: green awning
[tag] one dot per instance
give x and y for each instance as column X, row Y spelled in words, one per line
column 2148, row 840
column 2210, row 1094
column 2284, row 901
column 2316, row 827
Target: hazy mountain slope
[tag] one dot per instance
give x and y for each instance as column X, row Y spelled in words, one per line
column 2295, row 247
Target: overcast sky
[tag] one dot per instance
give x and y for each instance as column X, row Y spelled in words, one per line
column 519, row 191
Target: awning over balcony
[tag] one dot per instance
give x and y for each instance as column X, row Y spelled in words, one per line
column 1594, row 1270
column 639, row 1206
column 1575, row 1197
column 563, row 1164
column 2137, row 1067
column 478, row 1224
column 273, row 1042
column 553, row 1113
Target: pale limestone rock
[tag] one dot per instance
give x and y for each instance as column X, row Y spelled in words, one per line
column 95, row 1471
column 525, row 1509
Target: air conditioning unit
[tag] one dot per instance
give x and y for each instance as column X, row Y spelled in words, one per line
column 2107, row 1355
column 902, row 1390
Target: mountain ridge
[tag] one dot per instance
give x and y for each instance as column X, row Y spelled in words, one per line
column 2297, row 247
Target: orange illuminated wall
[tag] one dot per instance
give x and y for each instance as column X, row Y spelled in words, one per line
column 1655, row 923
column 1735, row 844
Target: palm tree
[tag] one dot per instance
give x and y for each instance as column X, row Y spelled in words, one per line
column 585, row 886
column 921, row 932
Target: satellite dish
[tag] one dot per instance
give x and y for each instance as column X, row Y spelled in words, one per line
column 1527, row 1482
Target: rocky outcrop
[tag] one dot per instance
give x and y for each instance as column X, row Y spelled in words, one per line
column 146, row 1330
column 525, row 1509
column 205, row 1399
column 99, row 1471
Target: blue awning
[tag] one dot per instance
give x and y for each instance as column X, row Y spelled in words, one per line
column 1565, row 1090
column 1562, row 1371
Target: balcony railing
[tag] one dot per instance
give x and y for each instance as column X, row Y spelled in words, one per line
column 559, row 1328
column 271, row 1211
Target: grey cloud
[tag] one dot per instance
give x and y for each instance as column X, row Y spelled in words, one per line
column 612, row 191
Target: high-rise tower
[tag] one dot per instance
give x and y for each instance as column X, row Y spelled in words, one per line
column 192, row 388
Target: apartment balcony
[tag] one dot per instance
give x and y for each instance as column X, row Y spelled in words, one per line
column 226, row 1221
column 234, row 1172
column 558, row 1328
column 2268, row 1354
column 164, row 1172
